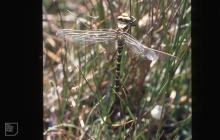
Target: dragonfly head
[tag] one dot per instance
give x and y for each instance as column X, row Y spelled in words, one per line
column 125, row 21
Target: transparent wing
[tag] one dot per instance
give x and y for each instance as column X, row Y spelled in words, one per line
column 142, row 50
column 90, row 36
column 138, row 48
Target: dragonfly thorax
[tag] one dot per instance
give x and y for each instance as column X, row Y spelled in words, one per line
column 121, row 40
column 125, row 22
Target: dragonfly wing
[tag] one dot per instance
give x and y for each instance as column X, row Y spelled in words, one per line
column 90, row 36
column 139, row 49
column 144, row 51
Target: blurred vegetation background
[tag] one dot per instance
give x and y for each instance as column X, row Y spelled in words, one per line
column 79, row 78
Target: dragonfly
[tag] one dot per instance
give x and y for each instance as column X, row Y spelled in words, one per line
column 120, row 35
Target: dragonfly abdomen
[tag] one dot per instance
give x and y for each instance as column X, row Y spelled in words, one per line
column 118, row 65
